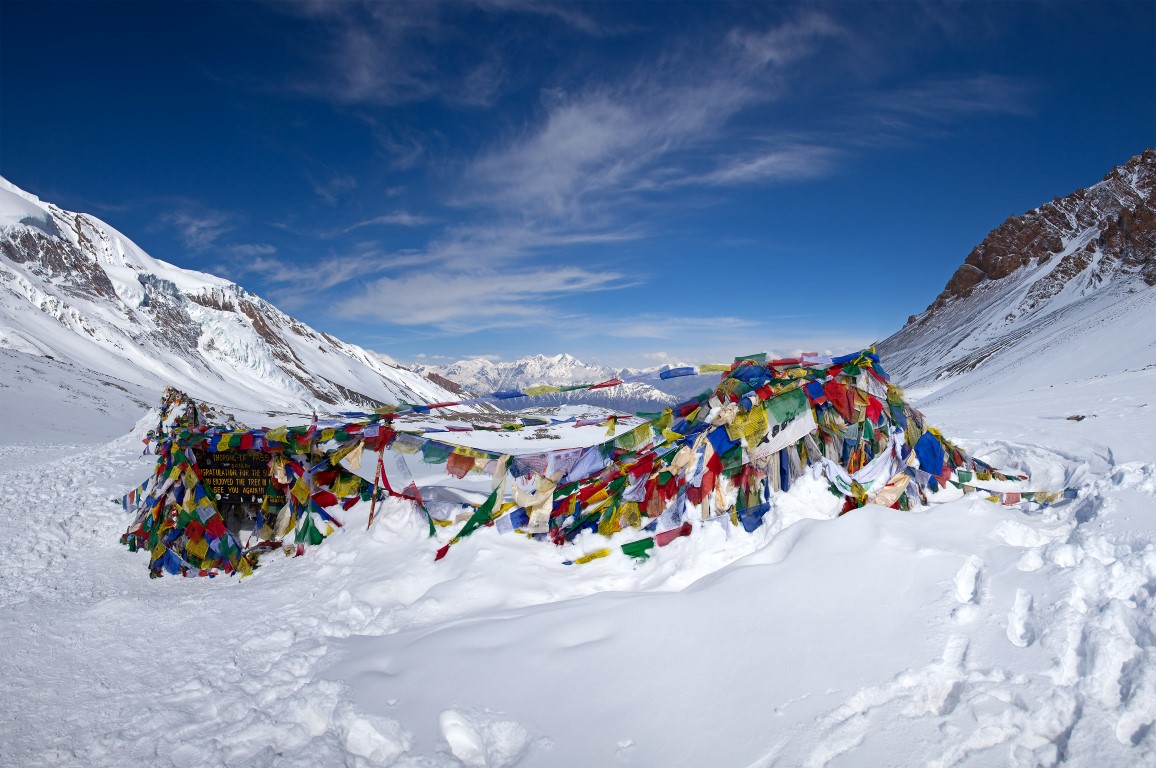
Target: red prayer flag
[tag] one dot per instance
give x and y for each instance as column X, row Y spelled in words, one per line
column 607, row 383
column 664, row 538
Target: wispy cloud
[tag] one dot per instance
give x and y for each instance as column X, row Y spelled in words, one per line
column 567, row 13
column 334, row 187
column 942, row 101
column 320, row 275
column 477, row 300
column 787, row 43
column 387, row 53
column 197, row 227
column 251, row 249
column 789, row 162
column 609, row 143
column 392, row 219
column 373, row 53
column 471, row 278
column 500, row 245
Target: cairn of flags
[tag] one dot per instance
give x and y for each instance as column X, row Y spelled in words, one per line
column 719, row 457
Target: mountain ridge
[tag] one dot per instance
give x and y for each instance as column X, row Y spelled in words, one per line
column 74, row 288
column 481, row 376
column 1081, row 266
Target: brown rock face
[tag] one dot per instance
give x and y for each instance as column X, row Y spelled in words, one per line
column 54, row 258
column 1013, row 244
column 445, row 383
column 1122, row 208
column 965, row 278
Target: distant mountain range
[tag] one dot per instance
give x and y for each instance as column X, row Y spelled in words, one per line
column 75, row 291
column 481, row 376
column 1078, row 272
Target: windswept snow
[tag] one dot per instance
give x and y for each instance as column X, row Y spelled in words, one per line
column 969, row 634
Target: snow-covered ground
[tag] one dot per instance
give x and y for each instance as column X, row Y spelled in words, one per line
column 968, row 634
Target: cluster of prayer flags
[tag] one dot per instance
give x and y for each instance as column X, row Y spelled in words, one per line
column 719, row 456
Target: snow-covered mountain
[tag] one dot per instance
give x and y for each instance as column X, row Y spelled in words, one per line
column 75, row 290
column 481, row 376
column 1076, row 273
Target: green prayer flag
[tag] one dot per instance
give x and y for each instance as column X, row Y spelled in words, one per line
column 480, row 517
column 639, row 549
column 787, row 406
column 436, row 453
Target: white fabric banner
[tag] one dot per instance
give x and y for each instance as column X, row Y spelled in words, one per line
column 787, row 434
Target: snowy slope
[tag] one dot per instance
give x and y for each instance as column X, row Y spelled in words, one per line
column 53, row 400
column 1076, row 273
column 74, row 289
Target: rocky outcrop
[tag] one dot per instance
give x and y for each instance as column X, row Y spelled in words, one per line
column 1118, row 215
column 1090, row 255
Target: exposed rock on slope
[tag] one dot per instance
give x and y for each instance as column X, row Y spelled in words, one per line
column 1079, row 265
column 1115, row 218
column 75, row 289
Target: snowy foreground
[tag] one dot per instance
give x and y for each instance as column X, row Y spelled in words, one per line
column 968, row 634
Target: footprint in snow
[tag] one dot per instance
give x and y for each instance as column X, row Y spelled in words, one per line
column 967, row 580
column 1020, row 625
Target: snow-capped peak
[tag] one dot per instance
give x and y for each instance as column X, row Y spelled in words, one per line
column 75, row 289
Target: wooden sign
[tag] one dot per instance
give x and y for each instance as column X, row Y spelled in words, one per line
column 237, row 477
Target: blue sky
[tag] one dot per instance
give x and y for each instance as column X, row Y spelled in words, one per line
column 627, row 182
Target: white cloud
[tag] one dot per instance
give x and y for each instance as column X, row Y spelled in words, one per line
column 393, row 219
column 470, row 278
column 567, row 13
column 785, row 163
column 387, row 53
column 945, row 100
column 476, row 300
column 304, row 280
column 603, row 146
column 198, row 228
column 787, row 43
column 252, row 249
column 334, row 187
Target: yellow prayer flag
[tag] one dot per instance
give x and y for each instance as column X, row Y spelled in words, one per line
column 592, row 556
column 596, row 499
column 751, row 425
column 300, row 491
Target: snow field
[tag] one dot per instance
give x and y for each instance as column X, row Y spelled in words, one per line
column 970, row 634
